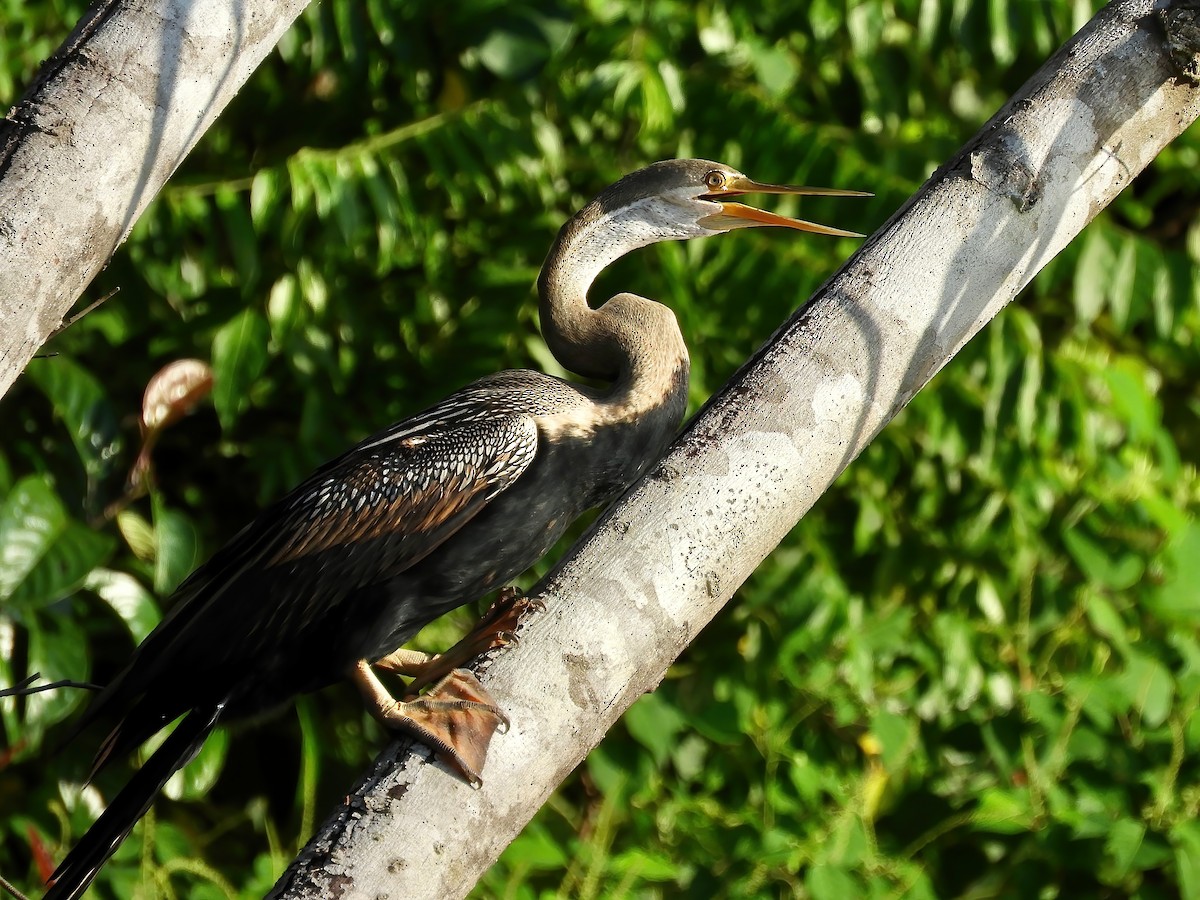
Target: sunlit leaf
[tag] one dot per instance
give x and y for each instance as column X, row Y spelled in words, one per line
column 1178, row 597
column 827, row 882
column 74, row 552
column 1149, row 687
column 31, row 519
column 1105, row 619
column 1093, row 275
column 177, row 548
column 1185, row 837
column 655, row 725
column 264, row 196
column 536, row 849
column 138, row 534
column 1006, row 812
column 80, row 402
column 128, row 599
column 776, row 69
column 53, row 653
column 1132, row 400
column 1098, row 563
column 239, row 356
column 1124, row 841
column 197, row 778
column 642, row 864
column 511, row 54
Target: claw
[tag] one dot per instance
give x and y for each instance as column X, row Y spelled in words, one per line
column 497, row 628
column 504, row 615
column 456, row 717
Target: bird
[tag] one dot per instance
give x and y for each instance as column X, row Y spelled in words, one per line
column 434, row 512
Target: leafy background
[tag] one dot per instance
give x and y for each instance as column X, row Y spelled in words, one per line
column 970, row 672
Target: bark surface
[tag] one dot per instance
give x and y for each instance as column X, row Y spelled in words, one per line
column 108, row 119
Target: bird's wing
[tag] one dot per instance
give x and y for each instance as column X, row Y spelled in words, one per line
column 360, row 520
column 410, row 491
column 367, row 516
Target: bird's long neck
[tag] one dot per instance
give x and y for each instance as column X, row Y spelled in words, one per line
column 629, row 340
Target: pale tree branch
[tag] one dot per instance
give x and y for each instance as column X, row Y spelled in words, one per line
column 661, row 563
column 109, row 118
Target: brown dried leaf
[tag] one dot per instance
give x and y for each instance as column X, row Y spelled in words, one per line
column 173, row 391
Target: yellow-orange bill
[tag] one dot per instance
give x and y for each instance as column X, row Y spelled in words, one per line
column 738, row 215
column 746, row 186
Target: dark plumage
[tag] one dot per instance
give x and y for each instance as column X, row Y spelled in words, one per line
column 430, row 514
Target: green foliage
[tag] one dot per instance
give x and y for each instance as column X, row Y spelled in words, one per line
column 971, row 671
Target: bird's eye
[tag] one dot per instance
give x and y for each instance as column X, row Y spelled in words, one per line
column 714, row 180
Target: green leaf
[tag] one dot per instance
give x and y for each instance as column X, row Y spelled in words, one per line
column 128, row 599
column 44, row 555
column 1185, row 838
column 512, row 55
column 654, row 723
column 776, row 69
column 1006, row 812
column 264, row 196
column 239, row 357
column 608, row 774
column 895, row 737
column 75, row 551
column 1177, row 598
column 1003, row 46
column 536, row 849
column 1120, row 291
column 1149, row 687
column 1093, row 275
column 1105, row 619
column 55, row 644
column 644, row 865
column 177, row 548
column 80, row 402
column 138, row 534
column 689, row 756
column 239, row 230
column 10, row 672
column 1124, row 840
column 31, row 518
column 1132, row 399
column 826, row 882
column 1099, row 566
column 199, row 776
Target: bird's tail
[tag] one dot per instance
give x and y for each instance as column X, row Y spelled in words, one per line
column 76, row 872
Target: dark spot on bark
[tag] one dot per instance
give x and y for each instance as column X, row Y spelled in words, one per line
column 1001, row 164
column 578, row 687
column 339, row 885
column 1181, row 23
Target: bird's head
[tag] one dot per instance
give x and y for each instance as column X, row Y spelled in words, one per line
column 679, row 199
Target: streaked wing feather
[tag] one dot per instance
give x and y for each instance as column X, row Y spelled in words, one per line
column 410, row 492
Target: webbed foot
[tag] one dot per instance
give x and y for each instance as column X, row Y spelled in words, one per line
column 456, row 717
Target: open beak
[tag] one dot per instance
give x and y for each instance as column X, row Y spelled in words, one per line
column 739, row 215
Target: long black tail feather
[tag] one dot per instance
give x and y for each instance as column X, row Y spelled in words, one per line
column 80, row 866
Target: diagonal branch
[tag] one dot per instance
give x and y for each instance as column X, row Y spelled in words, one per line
column 660, row 564
column 108, row 119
